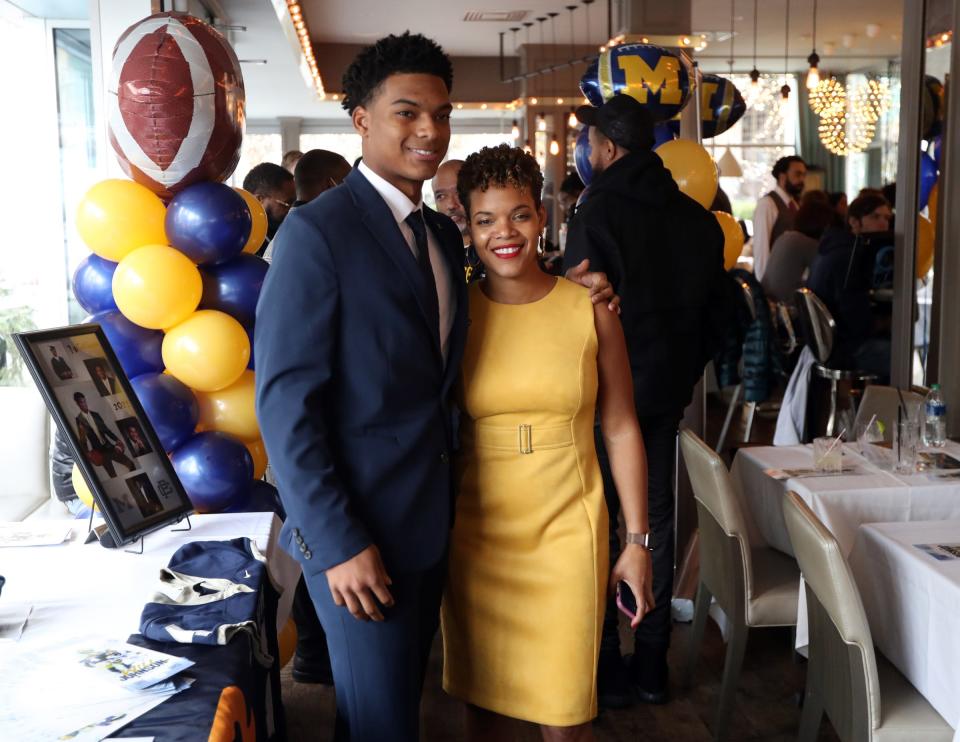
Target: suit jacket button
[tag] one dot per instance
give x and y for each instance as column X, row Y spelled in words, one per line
column 307, row 554
column 303, row 547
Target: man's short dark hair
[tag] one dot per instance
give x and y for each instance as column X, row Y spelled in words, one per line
column 783, row 164
column 499, row 166
column 572, row 185
column 864, row 205
column 77, row 396
column 393, row 55
column 316, row 168
column 266, row 179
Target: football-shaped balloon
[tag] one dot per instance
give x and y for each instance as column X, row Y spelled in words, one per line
column 655, row 76
column 176, row 103
column 721, row 105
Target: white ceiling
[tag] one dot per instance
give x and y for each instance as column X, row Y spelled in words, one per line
column 277, row 89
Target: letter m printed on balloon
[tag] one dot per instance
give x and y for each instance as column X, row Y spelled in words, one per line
column 176, row 103
column 658, row 78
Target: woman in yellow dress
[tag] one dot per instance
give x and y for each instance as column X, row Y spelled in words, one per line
column 529, row 573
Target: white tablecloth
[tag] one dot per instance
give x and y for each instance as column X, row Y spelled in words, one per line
column 87, row 589
column 843, row 502
column 913, row 604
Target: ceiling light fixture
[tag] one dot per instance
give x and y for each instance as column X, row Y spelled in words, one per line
column 813, row 74
column 554, row 147
column 308, row 63
column 541, row 122
column 785, row 90
column 572, row 119
column 755, row 73
column 515, row 131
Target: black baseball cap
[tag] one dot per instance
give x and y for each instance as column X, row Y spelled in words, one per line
column 623, row 120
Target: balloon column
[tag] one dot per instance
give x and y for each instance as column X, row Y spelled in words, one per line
column 170, row 278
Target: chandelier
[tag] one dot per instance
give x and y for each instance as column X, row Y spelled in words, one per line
column 848, row 120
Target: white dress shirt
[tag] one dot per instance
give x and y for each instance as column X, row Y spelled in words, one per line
column 764, row 217
column 401, row 207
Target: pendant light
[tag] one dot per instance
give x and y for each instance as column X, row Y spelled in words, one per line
column 572, row 117
column 785, row 90
column 515, row 130
column 541, row 122
column 729, row 167
column 554, row 147
column 755, row 73
column 813, row 74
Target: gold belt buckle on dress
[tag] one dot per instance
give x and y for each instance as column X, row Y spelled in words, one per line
column 525, row 438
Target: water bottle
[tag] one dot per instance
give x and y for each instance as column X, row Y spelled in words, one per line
column 935, row 418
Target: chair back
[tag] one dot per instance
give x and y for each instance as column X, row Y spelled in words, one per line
column 817, row 328
column 725, row 564
column 883, row 402
column 843, row 665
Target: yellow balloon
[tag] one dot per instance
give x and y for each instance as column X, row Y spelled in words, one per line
column 117, row 216
column 932, row 203
column 81, row 488
column 692, row 168
column 157, row 286
column 287, row 641
column 231, row 410
column 732, row 238
column 259, row 230
column 208, row 351
column 925, row 241
column 259, row 454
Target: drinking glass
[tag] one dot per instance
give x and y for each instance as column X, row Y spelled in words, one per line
column 827, row 455
column 906, row 441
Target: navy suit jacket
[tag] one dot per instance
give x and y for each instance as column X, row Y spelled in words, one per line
column 352, row 390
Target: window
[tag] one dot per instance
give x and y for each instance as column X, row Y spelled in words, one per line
column 766, row 132
column 257, row 148
column 343, row 143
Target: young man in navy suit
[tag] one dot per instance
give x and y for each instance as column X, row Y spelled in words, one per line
column 360, row 331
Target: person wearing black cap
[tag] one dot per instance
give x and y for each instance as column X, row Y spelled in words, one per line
column 663, row 253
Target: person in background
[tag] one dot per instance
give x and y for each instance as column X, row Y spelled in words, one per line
column 290, row 160
column 316, row 171
column 777, row 210
column 274, row 188
column 61, row 474
column 889, row 192
column 663, row 253
column 838, row 202
column 444, row 186
column 843, row 275
column 795, row 250
column 567, row 196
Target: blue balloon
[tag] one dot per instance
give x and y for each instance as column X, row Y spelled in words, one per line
column 662, row 133
column 250, row 364
column 261, row 497
column 928, row 178
column 170, row 407
column 208, row 222
column 137, row 348
column 721, row 106
column 215, row 469
column 93, row 284
column 581, row 156
column 234, row 287
column 657, row 77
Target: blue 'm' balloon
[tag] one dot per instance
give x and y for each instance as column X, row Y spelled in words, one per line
column 662, row 134
column 928, row 177
column 581, row 156
column 234, row 287
column 721, row 106
column 93, row 284
column 208, row 222
column 137, row 348
column 262, row 497
column 170, row 407
column 655, row 76
column 215, row 469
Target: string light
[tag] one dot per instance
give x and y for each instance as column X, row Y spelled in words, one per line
column 306, row 46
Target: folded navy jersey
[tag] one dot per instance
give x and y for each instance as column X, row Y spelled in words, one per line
column 209, row 592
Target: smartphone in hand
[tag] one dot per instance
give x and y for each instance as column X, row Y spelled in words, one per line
column 626, row 601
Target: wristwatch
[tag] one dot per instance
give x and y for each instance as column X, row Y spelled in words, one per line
column 641, row 539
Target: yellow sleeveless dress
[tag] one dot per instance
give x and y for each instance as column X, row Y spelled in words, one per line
column 524, row 603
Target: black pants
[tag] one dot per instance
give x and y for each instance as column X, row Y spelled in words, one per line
column 653, row 635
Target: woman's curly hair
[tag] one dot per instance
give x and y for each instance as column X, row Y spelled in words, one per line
column 499, row 166
column 393, row 55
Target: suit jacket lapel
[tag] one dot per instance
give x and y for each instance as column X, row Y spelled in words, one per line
column 378, row 218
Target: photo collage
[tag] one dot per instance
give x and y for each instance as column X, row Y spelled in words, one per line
column 110, row 436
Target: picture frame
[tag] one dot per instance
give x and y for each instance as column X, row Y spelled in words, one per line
column 113, row 442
